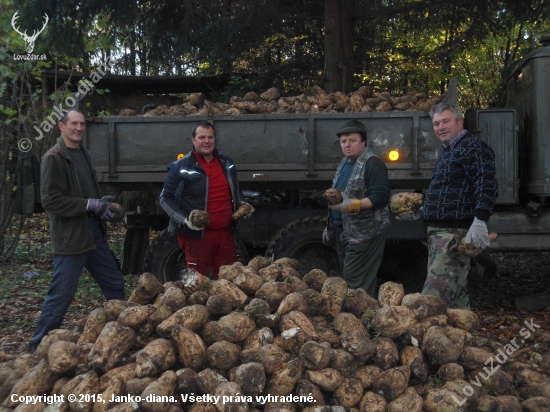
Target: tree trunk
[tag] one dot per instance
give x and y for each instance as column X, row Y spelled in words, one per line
column 333, row 47
column 339, row 62
column 132, row 47
column 348, row 67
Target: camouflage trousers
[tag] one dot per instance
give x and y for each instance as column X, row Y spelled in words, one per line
column 447, row 268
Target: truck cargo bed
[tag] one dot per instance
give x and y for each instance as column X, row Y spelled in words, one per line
column 285, row 149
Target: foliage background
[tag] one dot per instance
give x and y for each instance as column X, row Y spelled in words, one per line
column 398, row 46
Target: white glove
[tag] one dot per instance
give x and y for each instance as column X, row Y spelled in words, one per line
column 326, row 240
column 411, row 216
column 190, row 225
column 251, row 210
column 478, row 233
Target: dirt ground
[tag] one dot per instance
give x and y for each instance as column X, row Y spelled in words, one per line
column 24, row 284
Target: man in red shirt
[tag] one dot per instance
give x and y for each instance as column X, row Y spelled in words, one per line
column 206, row 180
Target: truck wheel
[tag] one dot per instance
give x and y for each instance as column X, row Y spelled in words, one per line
column 166, row 260
column 302, row 240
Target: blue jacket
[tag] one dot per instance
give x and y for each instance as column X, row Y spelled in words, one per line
column 186, row 188
column 463, row 184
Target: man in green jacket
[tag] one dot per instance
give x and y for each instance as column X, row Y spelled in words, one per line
column 70, row 194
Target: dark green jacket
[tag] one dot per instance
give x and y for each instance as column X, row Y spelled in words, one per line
column 62, row 199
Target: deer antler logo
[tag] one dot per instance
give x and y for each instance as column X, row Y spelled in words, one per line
column 29, row 40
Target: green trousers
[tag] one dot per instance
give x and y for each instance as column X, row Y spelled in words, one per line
column 359, row 263
column 447, row 268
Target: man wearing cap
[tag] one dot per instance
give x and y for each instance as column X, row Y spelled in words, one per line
column 358, row 224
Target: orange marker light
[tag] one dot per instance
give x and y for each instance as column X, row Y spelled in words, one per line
column 393, row 155
column 180, row 156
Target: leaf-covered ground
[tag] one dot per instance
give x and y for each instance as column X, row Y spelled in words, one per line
column 24, row 284
column 24, row 281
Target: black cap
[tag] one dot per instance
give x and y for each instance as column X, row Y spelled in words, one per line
column 353, row 126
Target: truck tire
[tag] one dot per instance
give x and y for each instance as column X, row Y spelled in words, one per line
column 165, row 259
column 302, row 240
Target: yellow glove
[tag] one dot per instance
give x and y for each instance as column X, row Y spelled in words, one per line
column 348, row 205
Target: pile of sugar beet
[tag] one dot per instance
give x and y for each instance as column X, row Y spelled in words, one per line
column 263, row 337
column 315, row 101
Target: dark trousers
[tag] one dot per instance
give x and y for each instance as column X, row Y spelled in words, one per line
column 359, row 263
column 66, row 272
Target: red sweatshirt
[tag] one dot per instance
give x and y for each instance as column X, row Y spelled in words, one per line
column 219, row 205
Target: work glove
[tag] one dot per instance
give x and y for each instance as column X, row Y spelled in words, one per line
column 188, row 223
column 101, row 207
column 478, row 234
column 326, row 239
column 347, row 206
column 251, row 209
column 245, row 210
column 411, row 216
column 117, row 210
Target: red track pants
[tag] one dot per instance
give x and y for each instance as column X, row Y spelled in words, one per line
column 215, row 249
